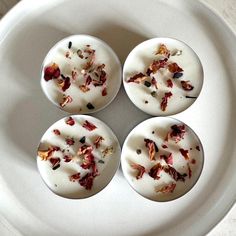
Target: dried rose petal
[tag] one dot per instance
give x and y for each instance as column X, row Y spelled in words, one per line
column 152, row 148
column 189, row 171
column 88, row 161
column 156, row 65
column 104, row 91
column 177, row 132
column 164, row 101
column 137, row 78
column 89, row 126
column 75, row 177
column 174, row 173
column 167, row 189
column 87, row 181
column 74, row 75
column 89, row 64
column 193, row 161
column 169, row 83
column 174, row 68
column 46, row 154
column 164, row 146
column 85, row 149
column 70, row 121
column 98, row 141
column 168, row 159
column 70, row 141
column 154, row 82
column 155, row 171
column 57, row 132
column 163, row 50
column 64, row 84
column 55, row 161
column 66, row 100
column 184, row 153
column 85, row 87
column 186, row 85
column 140, row 170
column 67, row 158
column 107, row 151
column 51, row 72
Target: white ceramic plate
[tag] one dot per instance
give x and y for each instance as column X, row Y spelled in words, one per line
column 28, row 32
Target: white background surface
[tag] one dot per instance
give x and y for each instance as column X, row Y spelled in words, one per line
column 227, row 10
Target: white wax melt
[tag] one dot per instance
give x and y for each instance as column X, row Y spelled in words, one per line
column 162, row 158
column 162, row 76
column 78, row 156
column 81, row 74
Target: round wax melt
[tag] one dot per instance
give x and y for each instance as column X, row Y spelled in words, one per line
column 162, row 76
column 81, row 74
column 162, row 158
column 78, row 156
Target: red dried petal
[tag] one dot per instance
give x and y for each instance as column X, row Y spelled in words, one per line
column 140, row 170
column 156, row 65
column 104, row 91
column 70, row 141
column 88, row 161
column 46, row 154
column 152, row 148
column 189, row 171
column 70, row 121
column 186, row 85
column 98, row 141
column 66, row 100
column 64, row 83
column 52, row 72
column 164, row 101
column 174, row 173
column 155, row 171
column 89, row 126
column 167, row 189
column 75, row 177
column 137, row 78
column 154, row 82
column 184, row 153
column 168, row 159
column 163, row 50
column 55, row 161
column 85, row 149
column 174, row 68
column 67, row 158
column 74, row 75
column 87, row 181
column 164, row 146
column 57, row 132
column 193, row 161
column 169, row 83
column 177, row 132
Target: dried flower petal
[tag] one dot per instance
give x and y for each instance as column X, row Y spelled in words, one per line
column 168, row 159
column 137, row 78
column 70, row 141
column 174, row 173
column 164, row 146
column 70, row 121
column 167, row 189
column 154, row 82
column 88, row 161
column 89, row 126
column 107, row 151
column 193, row 161
column 98, row 141
column 156, row 65
column 66, row 100
column 104, row 91
column 52, row 72
column 140, row 170
column 64, row 84
column 163, row 50
column 85, row 149
column 164, row 101
column 55, row 161
column 87, row 181
column 46, row 154
column 57, row 132
column 174, row 68
column 155, row 171
column 184, row 153
column 75, row 177
column 187, row 86
column 189, row 171
column 177, row 132
column 152, row 148
column 169, row 83
column 67, row 158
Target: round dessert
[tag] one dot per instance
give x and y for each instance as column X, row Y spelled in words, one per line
column 81, row 74
column 78, row 156
column 162, row 158
column 162, row 76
